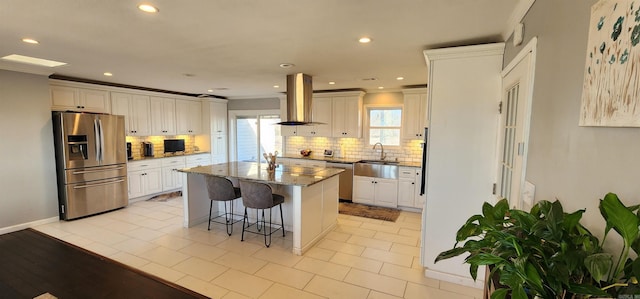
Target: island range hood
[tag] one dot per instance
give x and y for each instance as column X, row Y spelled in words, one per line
column 299, row 98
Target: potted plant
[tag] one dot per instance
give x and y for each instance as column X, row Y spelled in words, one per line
column 617, row 276
column 540, row 253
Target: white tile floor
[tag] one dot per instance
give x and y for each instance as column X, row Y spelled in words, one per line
column 360, row 258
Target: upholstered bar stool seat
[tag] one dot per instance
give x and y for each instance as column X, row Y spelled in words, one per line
column 221, row 189
column 259, row 196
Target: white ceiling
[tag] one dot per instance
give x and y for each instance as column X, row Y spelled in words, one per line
column 239, row 44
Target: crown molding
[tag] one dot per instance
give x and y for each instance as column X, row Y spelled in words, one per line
column 464, row 51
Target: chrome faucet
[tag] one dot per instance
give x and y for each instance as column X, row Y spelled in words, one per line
column 382, row 154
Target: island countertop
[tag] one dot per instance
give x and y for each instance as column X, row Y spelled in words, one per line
column 283, row 175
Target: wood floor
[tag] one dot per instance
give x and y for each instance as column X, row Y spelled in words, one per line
column 32, row 264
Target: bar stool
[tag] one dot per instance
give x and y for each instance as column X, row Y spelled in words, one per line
column 259, row 196
column 221, row 189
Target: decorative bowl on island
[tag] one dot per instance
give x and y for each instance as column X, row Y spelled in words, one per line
column 305, row 152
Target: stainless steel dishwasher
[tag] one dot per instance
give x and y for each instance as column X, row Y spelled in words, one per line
column 346, row 179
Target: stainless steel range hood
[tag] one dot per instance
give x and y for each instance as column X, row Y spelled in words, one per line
column 299, row 99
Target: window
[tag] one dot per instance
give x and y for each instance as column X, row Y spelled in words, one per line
column 384, row 125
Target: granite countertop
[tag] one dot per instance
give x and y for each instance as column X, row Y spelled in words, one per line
column 283, row 175
column 168, row 156
column 344, row 160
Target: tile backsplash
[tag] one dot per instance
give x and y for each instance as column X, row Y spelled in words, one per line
column 158, row 144
column 354, row 148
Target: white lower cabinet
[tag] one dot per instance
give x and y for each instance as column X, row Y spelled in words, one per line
column 302, row 162
column 198, row 160
column 171, row 178
column 152, row 176
column 375, row 191
column 409, row 188
column 145, row 177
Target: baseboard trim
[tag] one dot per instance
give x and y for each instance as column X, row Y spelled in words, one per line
column 17, row 227
column 465, row 281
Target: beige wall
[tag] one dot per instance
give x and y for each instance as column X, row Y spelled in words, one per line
column 254, row 104
column 27, row 159
column 577, row 165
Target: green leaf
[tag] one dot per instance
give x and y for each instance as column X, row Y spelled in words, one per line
column 620, row 218
column 450, row 253
column 533, row 277
column 487, row 211
column 473, row 270
column 501, row 209
column 518, row 293
column 482, row 259
column 467, row 231
column 572, row 220
column 599, row 265
column 587, row 289
column 499, row 294
column 635, row 268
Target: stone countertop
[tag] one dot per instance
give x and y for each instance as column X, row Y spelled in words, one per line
column 344, row 160
column 283, row 175
column 168, row 156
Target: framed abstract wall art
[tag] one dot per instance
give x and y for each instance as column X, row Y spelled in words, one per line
column 611, row 88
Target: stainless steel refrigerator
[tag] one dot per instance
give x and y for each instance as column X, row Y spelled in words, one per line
column 91, row 162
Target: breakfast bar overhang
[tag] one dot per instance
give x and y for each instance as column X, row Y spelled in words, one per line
column 310, row 209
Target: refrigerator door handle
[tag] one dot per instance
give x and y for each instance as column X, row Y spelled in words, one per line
column 96, row 129
column 100, row 170
column 101, row 140
column 96, row 185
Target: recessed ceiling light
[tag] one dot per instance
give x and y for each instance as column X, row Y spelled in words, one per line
column 209, row 90
column 33, row 60
column 364, row 40
column 332, row 83
column 400, row 78
column 148, row 8
column 30, row 41
column 380, row 87
column 276, row 86
column 108, row 74
column 287, row 65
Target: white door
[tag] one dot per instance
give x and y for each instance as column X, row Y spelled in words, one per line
column 514, row 123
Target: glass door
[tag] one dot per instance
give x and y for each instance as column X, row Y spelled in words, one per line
column 256, row 134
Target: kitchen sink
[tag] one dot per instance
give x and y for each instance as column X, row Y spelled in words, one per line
column 384, row 162
column 376, row 169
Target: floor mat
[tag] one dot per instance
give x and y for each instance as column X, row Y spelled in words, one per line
column 165, row 196
column 374, row 212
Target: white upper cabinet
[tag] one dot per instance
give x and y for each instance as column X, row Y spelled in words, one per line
column 321, row 110
column 79, row 99
column 347, row 115
column 415, row 113
column 218, row 118
column 188, row 117
column 135, row 109
column 218, row 113
column 163, row 116
column 340, row 113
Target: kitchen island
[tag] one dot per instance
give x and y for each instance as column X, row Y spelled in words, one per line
column 310, row 209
